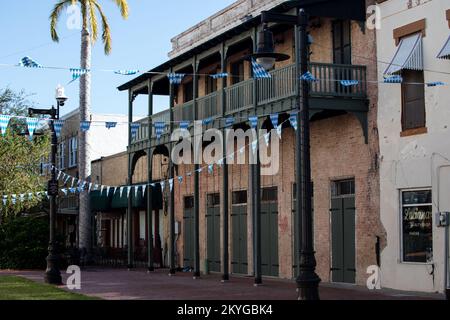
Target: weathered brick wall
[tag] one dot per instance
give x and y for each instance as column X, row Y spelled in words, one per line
column 338, row 151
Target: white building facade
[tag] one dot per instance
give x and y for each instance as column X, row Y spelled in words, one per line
column 414, row 132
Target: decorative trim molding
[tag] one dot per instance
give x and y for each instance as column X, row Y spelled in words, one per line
column 413, row 132
column 447, row 14
column 414, row 27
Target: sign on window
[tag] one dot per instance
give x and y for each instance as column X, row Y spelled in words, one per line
column 417, row 226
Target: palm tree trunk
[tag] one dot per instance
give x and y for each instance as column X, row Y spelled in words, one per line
column 85, row 219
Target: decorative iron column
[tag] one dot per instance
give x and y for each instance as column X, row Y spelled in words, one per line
column 308, row 280
column 224, row 203
column 149, row 180
column 196, row 180
column 130, row 182
column 256, row 182
column 172, row 193
column 52, row 273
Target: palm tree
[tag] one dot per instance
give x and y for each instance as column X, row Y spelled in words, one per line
column 89, row 34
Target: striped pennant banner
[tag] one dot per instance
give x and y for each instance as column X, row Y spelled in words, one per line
column 219, row 75
column 134, row 129
column 435, row 84
column 57, row 125
column 27, row 62
column 253, row 121
column 308, row 77
column 258, row 71
column 171, row 184
column 229, row 121
column 267, row 138
column 144, row 188
column 159, row 128
column 126, row 72
column 393, row 79
column 85, row 125
column 4, row 120
column 31, row 124
column 349, row 83
column 274, row 119
column 207, row 121
column 77, row 73
column 175, row 78
column 184, row 125
column 279, row 128
column 293, row 120
column 110, row 125
column 254, row 146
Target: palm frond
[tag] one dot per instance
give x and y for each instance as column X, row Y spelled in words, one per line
column 123, row 6
column 106, row 35
column 93, row 21
column 54, row 17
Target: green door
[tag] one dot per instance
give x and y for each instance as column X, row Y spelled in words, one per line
column 213, row 232
column 239, row 232
column 269, row 232
column 343, row 232
column 188, row 232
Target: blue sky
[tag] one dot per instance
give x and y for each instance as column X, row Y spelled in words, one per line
column 141, row 42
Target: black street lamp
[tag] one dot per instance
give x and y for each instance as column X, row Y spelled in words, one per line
column 52, row 273
column 307, row 280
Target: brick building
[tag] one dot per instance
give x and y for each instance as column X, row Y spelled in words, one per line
column 344, row 144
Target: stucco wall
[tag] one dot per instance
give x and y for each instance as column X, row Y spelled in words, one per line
column 408, row 162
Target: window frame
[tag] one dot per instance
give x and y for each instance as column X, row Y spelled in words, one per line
column 400, row 217
column 73, row 151
column 62, row 155
column 419, row 129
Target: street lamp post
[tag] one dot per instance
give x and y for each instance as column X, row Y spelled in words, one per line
column 52, row 273
column 307, row 280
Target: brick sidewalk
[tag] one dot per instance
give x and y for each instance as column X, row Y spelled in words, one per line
column 121, row 284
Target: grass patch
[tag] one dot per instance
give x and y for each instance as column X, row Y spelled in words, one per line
column 18, row 288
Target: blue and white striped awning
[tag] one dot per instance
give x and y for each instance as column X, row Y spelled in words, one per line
column 408, row 56
column 445, row 51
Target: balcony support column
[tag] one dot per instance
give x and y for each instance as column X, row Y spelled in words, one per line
column 224, row 202
column 172, row 192
column 149, row 180
column 195, row 65
column 131, row 97
column 256, row 183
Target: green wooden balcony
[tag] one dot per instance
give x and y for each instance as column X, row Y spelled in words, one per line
column 277, row 92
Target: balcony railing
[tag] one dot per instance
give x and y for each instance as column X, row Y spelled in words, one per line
column 184, row 112
column 69, row 201
column 210, row 106
column 239, row 96
column 330, row 75
column 281, row 85
column 142, row 134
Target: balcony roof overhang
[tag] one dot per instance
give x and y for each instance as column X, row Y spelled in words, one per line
column 340, row 9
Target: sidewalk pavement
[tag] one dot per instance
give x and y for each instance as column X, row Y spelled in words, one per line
column 137, row 284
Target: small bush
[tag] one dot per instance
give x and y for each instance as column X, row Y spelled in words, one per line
column 24, row 242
